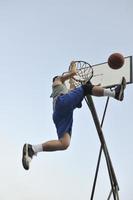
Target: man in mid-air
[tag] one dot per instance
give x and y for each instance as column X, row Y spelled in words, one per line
column 64, row 103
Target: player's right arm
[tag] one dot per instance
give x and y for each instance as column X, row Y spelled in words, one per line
column 70, row 74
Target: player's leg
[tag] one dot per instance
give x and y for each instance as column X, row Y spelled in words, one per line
column 117, row 93
column 54, row 145
column 99, row 91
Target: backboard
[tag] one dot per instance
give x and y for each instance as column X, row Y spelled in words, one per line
column 107, row 77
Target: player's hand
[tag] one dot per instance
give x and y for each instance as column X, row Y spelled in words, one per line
column 73, row 68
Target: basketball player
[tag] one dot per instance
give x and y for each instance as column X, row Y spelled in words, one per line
column 64, row 103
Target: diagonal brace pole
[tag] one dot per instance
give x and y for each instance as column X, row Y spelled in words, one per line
column 100, row 153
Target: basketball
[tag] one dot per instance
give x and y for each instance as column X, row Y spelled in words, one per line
column 116, row 61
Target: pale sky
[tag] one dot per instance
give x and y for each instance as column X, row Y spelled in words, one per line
column 38, row 39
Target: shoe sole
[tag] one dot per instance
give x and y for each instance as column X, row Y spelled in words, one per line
column 25, row 157
column 123, row 86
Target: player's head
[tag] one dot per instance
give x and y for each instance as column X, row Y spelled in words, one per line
column 55, row 78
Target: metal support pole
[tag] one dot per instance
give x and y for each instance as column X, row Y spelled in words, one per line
column 112, row 176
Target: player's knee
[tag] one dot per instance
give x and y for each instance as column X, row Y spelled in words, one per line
column 65, row 144
column 88, row 87
column 65, row 141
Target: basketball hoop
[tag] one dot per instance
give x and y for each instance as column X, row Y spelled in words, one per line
column 84, row 73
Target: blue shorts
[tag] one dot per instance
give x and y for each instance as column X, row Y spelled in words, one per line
column 63, row 112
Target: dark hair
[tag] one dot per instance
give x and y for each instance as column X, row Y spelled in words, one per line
column 54, row 78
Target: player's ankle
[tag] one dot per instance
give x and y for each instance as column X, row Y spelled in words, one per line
column 109, row 93
column 37, row 148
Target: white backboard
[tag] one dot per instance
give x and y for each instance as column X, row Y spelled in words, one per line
column 107, row 77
